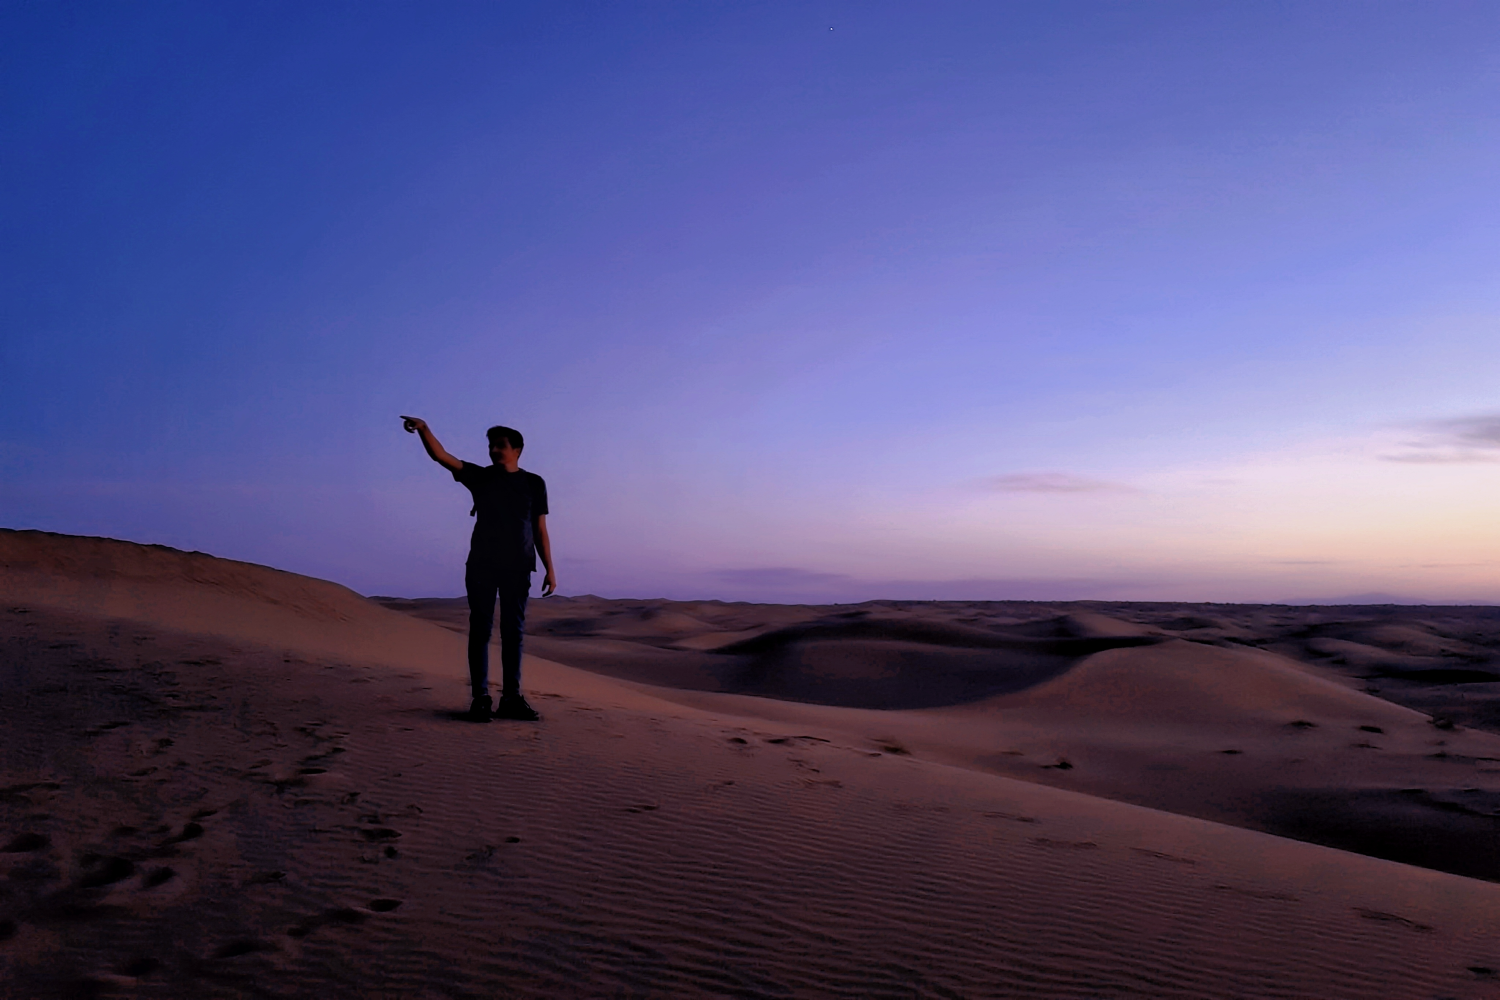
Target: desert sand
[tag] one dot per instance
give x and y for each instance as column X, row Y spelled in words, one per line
column 222, row 779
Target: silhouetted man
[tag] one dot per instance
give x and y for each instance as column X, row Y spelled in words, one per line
column 509, row 531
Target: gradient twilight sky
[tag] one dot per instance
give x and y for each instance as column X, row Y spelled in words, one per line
column 793, row 301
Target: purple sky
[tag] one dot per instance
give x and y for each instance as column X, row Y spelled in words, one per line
column 1188, row 301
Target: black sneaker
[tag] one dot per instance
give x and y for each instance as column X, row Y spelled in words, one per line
column 479, row 709
column 514, row 706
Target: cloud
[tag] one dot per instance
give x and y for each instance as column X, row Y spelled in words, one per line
column 1051, row 482
column 1481, row 432
column 1458, row 441
column 1453, row 456
column 1369, row 597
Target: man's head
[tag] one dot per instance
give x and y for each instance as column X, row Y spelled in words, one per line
column 505, row 446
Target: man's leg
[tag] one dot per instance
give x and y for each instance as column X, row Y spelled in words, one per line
column 480, row 584
column 512, row 630
column 512, row 633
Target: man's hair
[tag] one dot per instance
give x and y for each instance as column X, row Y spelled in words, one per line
column 509, row 434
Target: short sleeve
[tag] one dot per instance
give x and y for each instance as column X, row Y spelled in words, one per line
column 538, row 496
column 465, row 473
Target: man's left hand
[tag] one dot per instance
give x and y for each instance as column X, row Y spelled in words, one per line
column 549, row 584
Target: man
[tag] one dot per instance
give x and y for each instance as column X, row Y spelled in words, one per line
column 509, row 532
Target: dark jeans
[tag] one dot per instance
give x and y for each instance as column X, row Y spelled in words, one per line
column 484, row 583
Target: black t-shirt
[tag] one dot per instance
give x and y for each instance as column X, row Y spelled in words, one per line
column 507, row 505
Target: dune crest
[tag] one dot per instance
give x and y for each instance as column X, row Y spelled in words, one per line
column 1184, row 682
column 202, row 594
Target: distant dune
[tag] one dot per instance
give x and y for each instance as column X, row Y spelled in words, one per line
column 220, row 779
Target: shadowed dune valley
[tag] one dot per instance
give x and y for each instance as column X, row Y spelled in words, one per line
column 225, row 780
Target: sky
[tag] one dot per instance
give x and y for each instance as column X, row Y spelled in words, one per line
column 793, row 301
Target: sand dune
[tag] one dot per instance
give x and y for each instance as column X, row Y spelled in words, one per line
column 194, row 592
column 1167, row 707
column 261, row 791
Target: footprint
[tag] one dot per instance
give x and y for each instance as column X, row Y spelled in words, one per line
column 106, row 871
column 1391, row 918
column 339, row 915
column 345, row 915
column 192, row 831
column 384, row 905
column 25, row 842
column 144, row 966
column 157, row 877
column 18, row 793
column 1017, row 817
column 380, row 833
column 480, row 856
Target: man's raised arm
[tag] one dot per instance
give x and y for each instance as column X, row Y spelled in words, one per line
column 416, row 425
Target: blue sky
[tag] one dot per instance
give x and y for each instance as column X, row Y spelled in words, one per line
column 1182, row 301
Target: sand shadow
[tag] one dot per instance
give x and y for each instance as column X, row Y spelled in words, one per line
column 896, row 664
column 1448, row 830
column 851, row 659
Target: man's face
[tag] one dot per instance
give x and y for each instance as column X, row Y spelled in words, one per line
column 501, row 453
